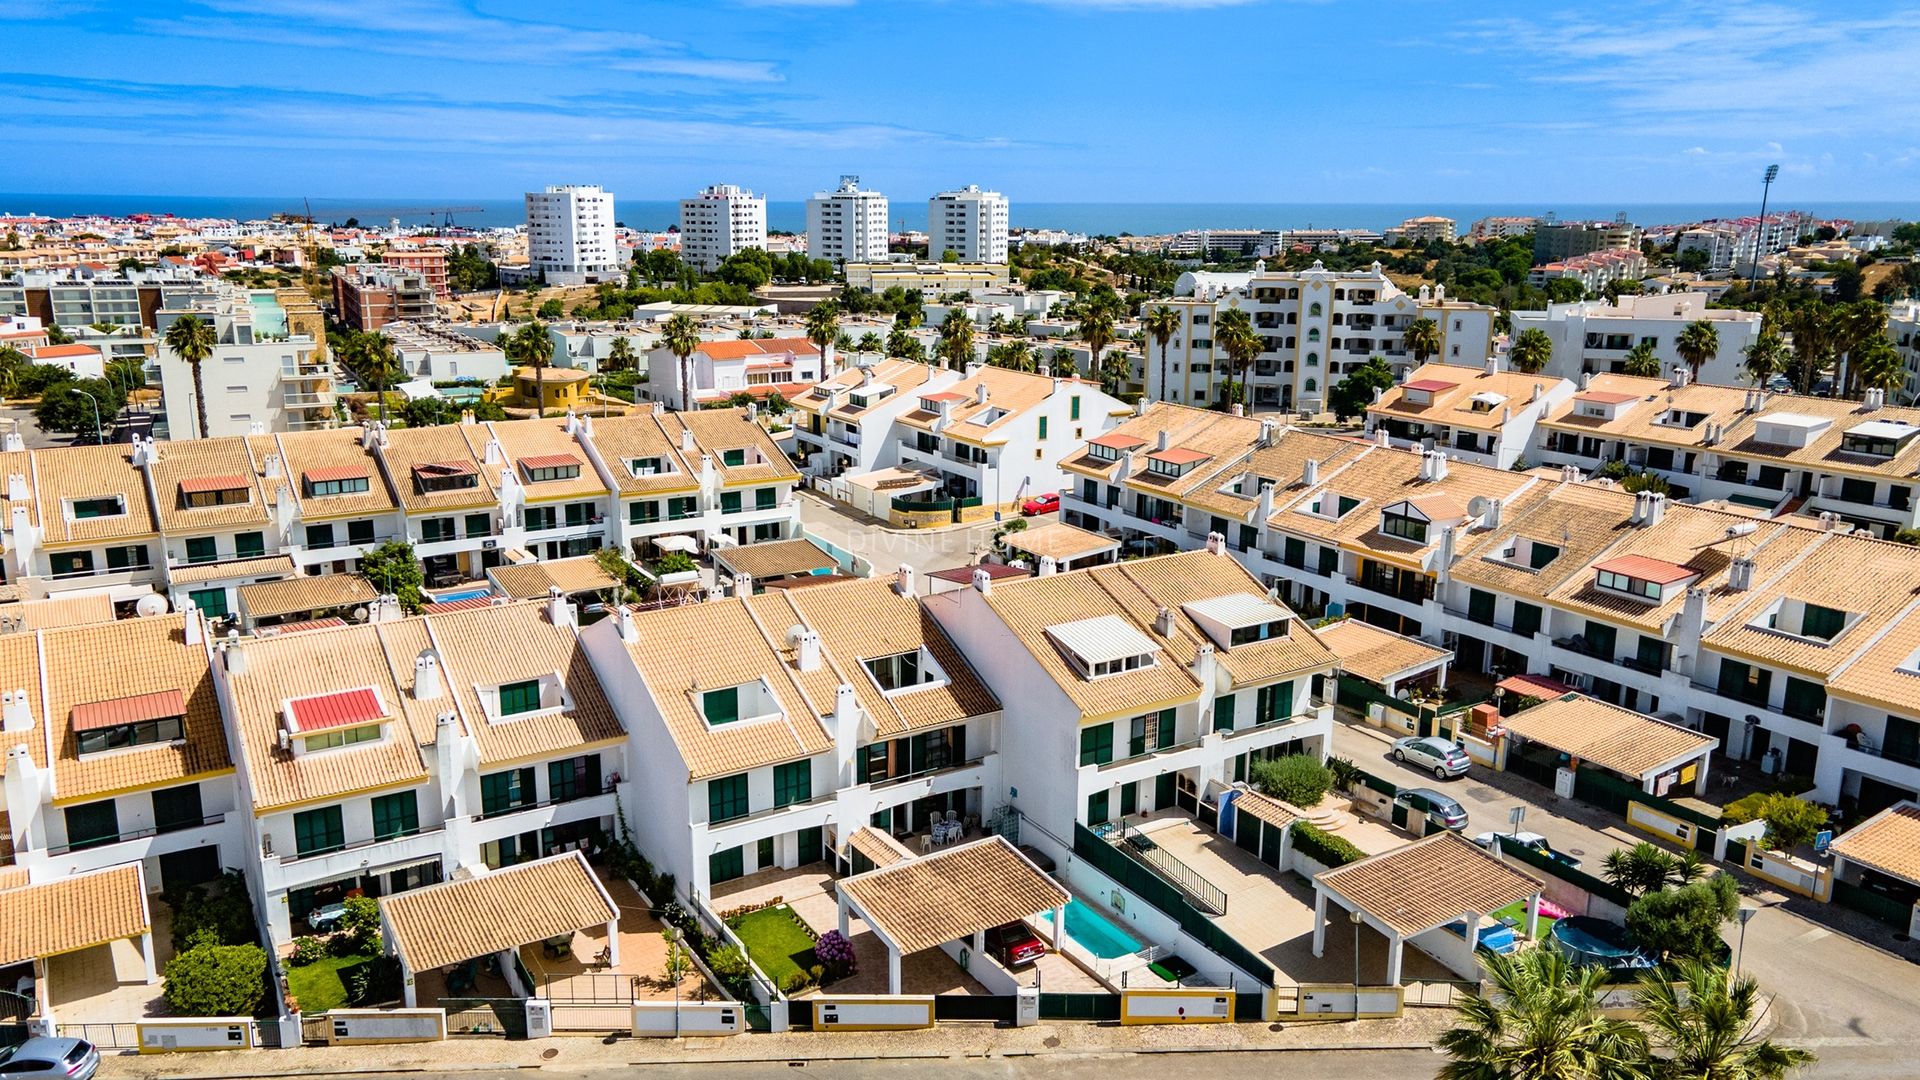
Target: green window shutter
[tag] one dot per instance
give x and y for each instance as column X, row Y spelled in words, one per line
column 1043, row 427
column 211, row 602
column 1733, row 679
column 727, row 797
column 359, row 532
column 1480, row 606
column 201, row 549
column 177, row 808
column 1329, row 561
column 726, row 865
column 1097, row 812
column 319, row 536
column 733, row 458
column 729, row 502
column 1223, row 713
column 1294, row 552
column 508, row 790
column 1526, row 619
column 1285, row 702
column 1822, row 622
column 721, row 706
column 765, row 498
column 1652, row 653
column 1804, row 700
column 520, row 697
column 92, row 824
column 1073, row 407
column 792, row 783
column 1542, row 554
column 1602, row 639
column 477, row 525
column 315, row 831
column 1096, row 744
column 396, row 815
column 1166, row 728
column 250, row 545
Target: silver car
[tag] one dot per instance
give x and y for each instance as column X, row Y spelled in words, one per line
column 59, row 1059
column 1436, row 755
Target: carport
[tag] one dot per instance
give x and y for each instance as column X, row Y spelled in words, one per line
column 756, row 565
column 954, row 895
column 497, row 913
column 1653, row 754
column 1419, row 889
column 1881, row 855
column 1069, row 548
column 68, row 914
column 302, row 599
column 1388, row 660
column 537, row 580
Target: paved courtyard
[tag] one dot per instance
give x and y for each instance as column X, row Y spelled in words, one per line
column 641, row 973
column 924, row 550
column 108, row 983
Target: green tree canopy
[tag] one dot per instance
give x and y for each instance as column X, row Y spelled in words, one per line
column 392, row 568
column 1352, row 394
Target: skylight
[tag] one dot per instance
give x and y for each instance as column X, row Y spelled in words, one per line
column 1104, row 645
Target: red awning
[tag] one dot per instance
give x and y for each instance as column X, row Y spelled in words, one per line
column 549, row 461
column 1431, row 386
column 343, row 709
column 196, row 484
column 1658, row 571
column 129, row 710
column 1533, row 686
column 964, row 574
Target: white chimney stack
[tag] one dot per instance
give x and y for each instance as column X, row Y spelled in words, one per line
column 1163, row 622
column 903, row 580
column 428, row 683
column 982, row 582
column 236, row 658
column 1048, row 567
column 629, row 629
column 558, row 610
column 16, row 711
column 1310, row 472
column 807, row 652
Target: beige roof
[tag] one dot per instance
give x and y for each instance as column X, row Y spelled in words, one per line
column 905, row 376
column 716, row 431
column 67, row 914
column 1885, row 673
column 523, row 439
column 1889, row 842
column 878, row 846
column 1061, row 541
column 270, row 565
column 1428, row 883
column 1639, row 421
column 1376, row 655
column 86, row 472
column 1276, row 812
column 335, row 452
column 209, row 463
column 623, row 439
column 1013, row 391
column 532, row 580
column 461, row 445
column 1609, row 736
column 59, row 611
column 270, row 599
column 1454, row 406
column 457, row 921
column 1829, row 572
column 776, row 558
column 949, row 895
column 1380, row 478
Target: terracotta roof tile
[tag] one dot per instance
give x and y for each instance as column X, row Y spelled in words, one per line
column 949, row 895
column 1429, row 883
column 1607, row 735
column 456, row 921
column 67, row 914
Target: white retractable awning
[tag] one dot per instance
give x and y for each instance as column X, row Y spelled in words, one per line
column 676, row 543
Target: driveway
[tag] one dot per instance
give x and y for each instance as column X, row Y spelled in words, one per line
column 889, row 549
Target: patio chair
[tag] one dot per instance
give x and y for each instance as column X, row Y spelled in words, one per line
column 926, row 843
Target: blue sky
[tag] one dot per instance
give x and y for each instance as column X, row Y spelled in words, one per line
column 1048, row 100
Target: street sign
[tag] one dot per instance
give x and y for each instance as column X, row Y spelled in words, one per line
column 1821, row 840
column 1515, row 816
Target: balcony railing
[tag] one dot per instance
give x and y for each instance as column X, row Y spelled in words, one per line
column 1158, row 751
column 134, row 834
column 357, row 845
column 606, row 788
column 903, row 778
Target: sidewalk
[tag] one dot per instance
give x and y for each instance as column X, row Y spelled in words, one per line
column 1416, row 1030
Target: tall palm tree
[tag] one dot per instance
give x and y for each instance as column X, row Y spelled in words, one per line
column 901, row 343
column 530, row 346
column 1096, row 328
column 1061, row 364
column 1707, row 1032
column 1876, row 366
column 956, row 339
column 1161, row 324
column 1858, row 325
column 823, row 329
column 369, row 355
column 1233, row 333
column 1814, row 330
column 1422, row 339
column 1766, row 357
column 1530, row 351
column 620, row 356
column 681, row 337
column 1642, row 361
column 1015, row 355
column 869, row 344
column 1542, row 1022
column 193, row 340
column 1697, row 344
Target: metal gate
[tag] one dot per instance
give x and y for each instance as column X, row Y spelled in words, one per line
column 998, row 1008
column 1079, row 1006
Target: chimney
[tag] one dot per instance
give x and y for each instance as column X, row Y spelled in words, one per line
column 494, row 454
column 1492, row 518
column 1310, row 472
column 1160, row 440
column 1381, row 438
column 369, row 435
column 257, row 428
column 903, row 580
column 1266, row 433
column 1265, row 509
column 1163, row 622
column 980, row 393
column 846, row 730
column 1048, row 567
column 1140, row 406
column 16, row 711
column 1493, row 365
column 629, row 630
column 428, row 683
column 1740, row 574
column 686, row 439
column 1216, row 543
column 385, row 608
column 1586, row 379
column 982, row 582
column 1681, row 376
column 1569, row 474
column 559, row 612
column 743, row 585
column 17, row 488
column 572, row 423
column 467, row 419
column 236, row 658
column 14, row 443
column 807, row 650
column 190, row 628
column 1656, row 508
column 270, row 468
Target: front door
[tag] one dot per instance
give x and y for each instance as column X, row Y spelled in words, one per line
column 1130, row 798
column 1163, row 791
column 810, row 846
column 194, row 866
column 1270, row 846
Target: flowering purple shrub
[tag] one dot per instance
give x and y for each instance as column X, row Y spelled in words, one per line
column 835, row 953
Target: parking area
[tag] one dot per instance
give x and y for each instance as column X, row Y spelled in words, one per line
column 108, row 983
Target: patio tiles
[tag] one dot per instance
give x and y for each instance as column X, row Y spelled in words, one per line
column 108, row 983
column 643, row 959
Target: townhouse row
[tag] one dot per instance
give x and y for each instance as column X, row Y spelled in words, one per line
column 1794, row 640
column 196, row 521
column 730, row 736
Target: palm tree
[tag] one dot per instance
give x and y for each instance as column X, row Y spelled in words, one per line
column 1766, row 357
column 531, row 347
column 1876, row 365
column 823, row 329
column 1642, row 361
column 869, row 344
column 1542, row 1022
column 1814, row 331
column 901, row 343
column 1015, row 355
column 1697, row 344
column 956, row 340
column 1096, row 328
column 1161, row 324
column 620, row 356
column 1061, row 364
column 1859, row 325
column 369, row 355
column 193, row 341
column 1422, row 339
column 681, row 337
column 1530, row 351
column 1645, row 868
column 1707, row 1032
column 1115, row 371
column 1233, row 333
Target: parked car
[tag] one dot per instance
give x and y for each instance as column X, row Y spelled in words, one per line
column 66, row 1059
column 1434, row 754
column 1041, row 504
column 1441, row 811
column 1532, row 841
column 1014, row 945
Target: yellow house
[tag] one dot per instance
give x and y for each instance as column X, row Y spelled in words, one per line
column 563, row 387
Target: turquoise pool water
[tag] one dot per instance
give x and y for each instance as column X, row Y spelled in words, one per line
column 475, row 594
column 269, row 318
column 1087, row 926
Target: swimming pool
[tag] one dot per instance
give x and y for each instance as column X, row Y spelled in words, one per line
column 1588, row 940
column 470, row 594
column 1087, row 926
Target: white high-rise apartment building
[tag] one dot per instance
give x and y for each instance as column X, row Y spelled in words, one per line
column 721, row 221
column 570, row 237
column 848, row 225
column 970, row 223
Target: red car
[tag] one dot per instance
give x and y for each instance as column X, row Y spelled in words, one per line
column 1040, row 504
column 1014, row 945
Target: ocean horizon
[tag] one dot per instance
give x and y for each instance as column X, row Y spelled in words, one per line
column 1107, row 218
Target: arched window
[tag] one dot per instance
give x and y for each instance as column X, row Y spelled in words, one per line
column 1313, row 334
column 1312, row 386
column 1313, row 310
column 1313, row 359
column 1339, row 294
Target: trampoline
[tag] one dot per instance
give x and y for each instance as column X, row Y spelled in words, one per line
column 1596, row 942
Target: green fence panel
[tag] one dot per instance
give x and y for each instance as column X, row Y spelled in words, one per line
column 1136, row 877
column 1867, row 902
column 1079, row 1006
column 1613, row 793
column 1383, row 786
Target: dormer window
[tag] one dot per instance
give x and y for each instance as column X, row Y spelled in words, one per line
column 1804, row 619
column 1332, row 506
column 1404, row 527
column 744, row 703
column 545, row 467
column 736, row 457
column 1175, row 461
column 867, row 396
column 1878, row 438
column 348, row 481
column 523, row 697
column 1682, row 418
column 141, row 720
column 332, row 721
column 1485, row 402
column 649, row 466
column 1110, row 447
column 1531, row 554
column 1422, row 391
column 1239, row 619
column 912, row 670
column 213, row 491
column 991, row 415
column 1102, row 646
column 1640, row 577
column 445, row 476
column 98, row 506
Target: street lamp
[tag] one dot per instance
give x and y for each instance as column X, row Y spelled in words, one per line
column 1354, row 917
column 96, row 413
column 1766, row 188
column 1746, row 916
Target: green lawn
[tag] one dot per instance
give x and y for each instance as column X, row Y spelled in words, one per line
column 776, row 941
column 1517, row 911
column 318, row 986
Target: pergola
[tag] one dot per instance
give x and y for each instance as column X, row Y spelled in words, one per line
column 1652, row 753
column 953, row 895
column 497, row 912
column 1409, row 891
column 1384, row 658
column 68, row 914
column 1068, row 546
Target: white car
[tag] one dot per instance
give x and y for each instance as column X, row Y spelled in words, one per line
column 1436, row 755
column 1532, row 841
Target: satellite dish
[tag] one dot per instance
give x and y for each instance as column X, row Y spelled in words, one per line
column 1477, row 506
column 360, row 614
column 794, row 634
column 150, row 605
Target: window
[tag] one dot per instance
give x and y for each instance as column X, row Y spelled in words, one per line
column 1043, row 427
column 249, row 545
column 643, row 513
column 1273, row 703
column 1096, row 744
column 1223, row 713
column 1097, row 808
column 210, row 602
column 1480, row 605
column 1073, row 407
column 681, row 506
column 437, row 529
column 894, row 672
column 503, row 791
column 70, row 563
column 346, row 485
column 332, row 740
column 1150, row 732
column 574, row 778
column 166, row 729
column 726, row 865
column 318, row 831
column 396, row 815
column 1804, row 700
column 649, row 466
column 1265, row 631
column 540, row 517
column 449, row 477
column 476, row 525
column 870, row 763
column 721, row 706
column 128, row 557
column 1526, row 619
column 215, row 497
column 103, row 506
column 579, row 514
column 733, row 458
column 1632, row 586
column 552, row 472
column 1856, row 491
column 520, row 697
column 729, row 502
column 727, row 798
column 1293, row 552
column 177, row 808
column 1821, row 622
column 319, row 536
column 1540, row 554
column 792, row 783
column 1406, row 528
column 1329, row 562
column 1743, row 682
column 92, row 824
column 202, row 549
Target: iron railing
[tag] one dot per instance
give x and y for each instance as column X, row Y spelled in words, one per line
column 1202, row 893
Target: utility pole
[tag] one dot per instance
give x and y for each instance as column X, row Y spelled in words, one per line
column 1766, row 188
